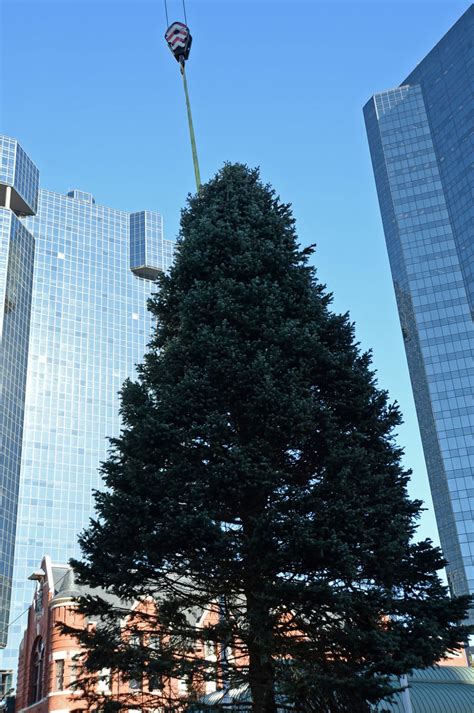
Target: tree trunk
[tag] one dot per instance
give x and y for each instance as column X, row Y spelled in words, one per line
column 261, row 681
column 261, row 672
column 260, row 622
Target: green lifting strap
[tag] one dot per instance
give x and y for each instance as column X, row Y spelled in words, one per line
column 197, row 173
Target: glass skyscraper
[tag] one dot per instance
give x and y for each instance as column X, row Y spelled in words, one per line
column 93, row 272
column 18, row 189
column 421, row 143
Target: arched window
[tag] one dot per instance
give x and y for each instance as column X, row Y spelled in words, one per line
column 36, row 671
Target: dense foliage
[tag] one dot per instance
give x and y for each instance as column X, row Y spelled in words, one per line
column 257, row 477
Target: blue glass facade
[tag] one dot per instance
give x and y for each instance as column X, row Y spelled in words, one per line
column 19, row 176
column 147, row 248
column 18, row 196
column 89, row 328
column 420, row 137
column 16, row 275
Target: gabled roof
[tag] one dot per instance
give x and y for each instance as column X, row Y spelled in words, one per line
column 65, row 586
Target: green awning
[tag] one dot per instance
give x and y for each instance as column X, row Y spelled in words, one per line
column 441, row 689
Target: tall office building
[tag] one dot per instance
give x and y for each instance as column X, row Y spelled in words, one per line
column 93, row 272
column 422, row 148
column 18, row 188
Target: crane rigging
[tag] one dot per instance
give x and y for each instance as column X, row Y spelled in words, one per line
column 179, row 40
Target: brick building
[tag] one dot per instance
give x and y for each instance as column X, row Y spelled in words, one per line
column 48, row 663
column 49, row 660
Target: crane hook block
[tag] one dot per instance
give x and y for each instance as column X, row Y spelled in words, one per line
column 179, row 41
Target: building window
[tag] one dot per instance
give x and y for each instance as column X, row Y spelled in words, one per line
column 155, row 682
column 6, row 680
column 104, row 681
column 39, row 600
column 60, row 675
column 135, row 684
column 73, row 671
column 210, row 650
column 36, row 671
column 135, row 641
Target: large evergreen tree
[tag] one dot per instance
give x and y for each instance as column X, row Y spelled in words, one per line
column 257, row 471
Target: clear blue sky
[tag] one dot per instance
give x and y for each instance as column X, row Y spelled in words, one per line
column 93, row 94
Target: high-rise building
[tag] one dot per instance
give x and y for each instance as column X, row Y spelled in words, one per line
column 93, row 272
column 18, row 188
column 421, row 143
